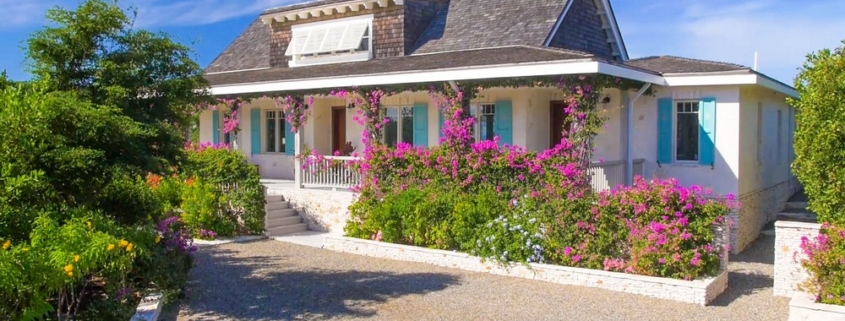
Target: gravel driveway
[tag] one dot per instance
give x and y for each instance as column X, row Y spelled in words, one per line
column 270, row 280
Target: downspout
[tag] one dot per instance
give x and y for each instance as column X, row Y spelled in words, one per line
column 629, row 137
column 454, row 85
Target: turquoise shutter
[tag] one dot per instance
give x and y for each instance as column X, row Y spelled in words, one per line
column 442, row 122
column 504, row 122
column 255, row 130
column 215, row 127
column 290, row 140
column 421, row 125
column 707, row 131
column 664, row 130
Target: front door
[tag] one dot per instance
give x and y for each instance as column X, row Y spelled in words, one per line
column 558, row 122
column 338, row 128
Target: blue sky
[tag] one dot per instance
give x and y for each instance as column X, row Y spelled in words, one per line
column 781, row 31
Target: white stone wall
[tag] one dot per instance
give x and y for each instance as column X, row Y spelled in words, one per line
column 322, row 210
column 803, row 308
column 757, row 209
column 700, row 291
column 788, row 271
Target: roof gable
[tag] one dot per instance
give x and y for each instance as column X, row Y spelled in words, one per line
column 250, row 50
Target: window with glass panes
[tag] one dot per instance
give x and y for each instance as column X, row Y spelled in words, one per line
column 687, row 127
column 399, row 126
column 485, row 121
column 274, row 131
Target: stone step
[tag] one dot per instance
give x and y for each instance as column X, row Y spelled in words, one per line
column 282, row 221
column 282, row 212
column 798, row 216
column 795, row 205
column 277, row 205
column 282, row 230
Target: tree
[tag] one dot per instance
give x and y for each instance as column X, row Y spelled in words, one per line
column 95, row 53
column 820, row 133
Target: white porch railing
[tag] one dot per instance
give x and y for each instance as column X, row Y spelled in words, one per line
column 330, row 171
column 608, row 175
column 336, row 172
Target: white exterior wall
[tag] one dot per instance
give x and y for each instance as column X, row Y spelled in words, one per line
column 722, row 177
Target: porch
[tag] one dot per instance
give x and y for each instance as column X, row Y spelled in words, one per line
column 333, row 173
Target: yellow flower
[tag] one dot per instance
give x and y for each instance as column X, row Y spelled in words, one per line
column 129, row 247
column 76, row 258
column 7, row 244
column 70, row 274
column 111, row 247
column 89, row 224
column 158, row 239
column 122, row 243
column 26, row 249
column 149, row 217
column 68, row 268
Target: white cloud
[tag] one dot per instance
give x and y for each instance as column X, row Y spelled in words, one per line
column 18, row 13
column 783, row 32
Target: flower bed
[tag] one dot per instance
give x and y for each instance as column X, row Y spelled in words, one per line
column 699, row 291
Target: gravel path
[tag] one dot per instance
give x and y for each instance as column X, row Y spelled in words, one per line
column 270, row 280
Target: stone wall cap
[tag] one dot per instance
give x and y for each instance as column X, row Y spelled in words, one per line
column 791, row 224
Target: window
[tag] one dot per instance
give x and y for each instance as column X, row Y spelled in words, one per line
column 759, row 133
column 485, row 121
column 779, row 157
column 225, row 137
column 340, row 40
column 274, row 132
column 400, row 126
column 687, row 127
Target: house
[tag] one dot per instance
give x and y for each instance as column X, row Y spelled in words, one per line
column 718, row 125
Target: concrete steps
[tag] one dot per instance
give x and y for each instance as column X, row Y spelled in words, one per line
column 280, row 219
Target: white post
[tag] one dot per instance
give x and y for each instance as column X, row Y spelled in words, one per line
column 297, row 165
column 629, row 139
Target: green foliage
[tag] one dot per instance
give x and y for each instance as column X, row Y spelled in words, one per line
column 820, row 133
column 104, row 109
column 231, row 173
column 203, row 209
column 825, row 263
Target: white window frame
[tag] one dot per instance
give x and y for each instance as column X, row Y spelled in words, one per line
column 280, row 129
column 675, row 130
column 476, row 110
column 300, row 60
column 399, row 112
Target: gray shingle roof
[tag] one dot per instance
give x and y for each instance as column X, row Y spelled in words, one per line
column 678, row 65
column 474, row 24
column 455, row 59
column 302, row 5
column 250, row 50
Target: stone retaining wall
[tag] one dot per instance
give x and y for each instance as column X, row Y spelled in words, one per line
column 757, row 209
column 322, row 210
column 788, row 271
column 698, row 291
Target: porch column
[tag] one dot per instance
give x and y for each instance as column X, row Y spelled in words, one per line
column 297, row 164
column 629, row 136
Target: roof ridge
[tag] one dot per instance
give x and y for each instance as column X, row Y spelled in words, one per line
column 298, row 4
column 691, row 60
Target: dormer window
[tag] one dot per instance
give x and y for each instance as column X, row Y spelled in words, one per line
column 334, row 41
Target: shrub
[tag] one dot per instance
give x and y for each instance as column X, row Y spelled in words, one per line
column 203, row 209
column 818, row 139
column 825, row 264
column 231, row 173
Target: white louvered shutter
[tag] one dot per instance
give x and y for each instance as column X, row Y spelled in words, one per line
column 297, row 42
column 353, row 35
column 315, row 39
column 334, row 36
